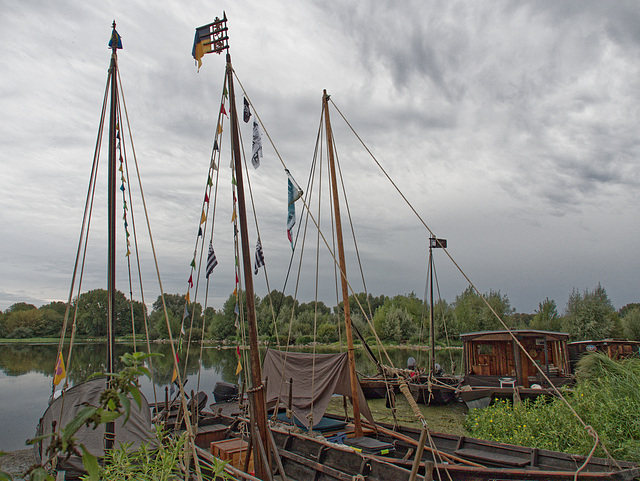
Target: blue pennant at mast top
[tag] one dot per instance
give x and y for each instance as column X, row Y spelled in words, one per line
column 115, row 40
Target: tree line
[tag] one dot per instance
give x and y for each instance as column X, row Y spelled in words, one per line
column 399, row 319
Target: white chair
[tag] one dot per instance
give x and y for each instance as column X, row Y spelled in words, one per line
column 507, row 382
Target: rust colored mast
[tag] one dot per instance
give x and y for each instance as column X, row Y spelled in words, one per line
column 343, row 272
column 258, row 405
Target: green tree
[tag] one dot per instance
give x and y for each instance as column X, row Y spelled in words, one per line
column 546, row 317
column 23, row 323
column 175, row 304
column 445, row 328
column 20, row 306
column 92, row 314
column 398, row 319
column 631, row 324
column 471, row 313
column 591, row 315
column 624, row 309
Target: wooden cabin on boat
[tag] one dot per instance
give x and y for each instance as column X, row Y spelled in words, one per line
column 492, row 358
column 614, row 348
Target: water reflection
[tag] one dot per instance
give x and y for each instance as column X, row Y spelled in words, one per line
column 26, row 373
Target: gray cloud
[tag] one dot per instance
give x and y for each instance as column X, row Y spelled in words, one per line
column 511, row 126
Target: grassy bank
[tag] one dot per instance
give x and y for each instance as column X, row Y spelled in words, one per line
column 445, row 419
column 607, row 398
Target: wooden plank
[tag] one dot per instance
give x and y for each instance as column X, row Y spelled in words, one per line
column 317, row 467
column 488, row 456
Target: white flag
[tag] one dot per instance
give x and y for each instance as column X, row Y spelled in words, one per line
column 256, row 145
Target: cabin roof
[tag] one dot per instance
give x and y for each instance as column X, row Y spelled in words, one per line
column 505, row 335
column 604, row 342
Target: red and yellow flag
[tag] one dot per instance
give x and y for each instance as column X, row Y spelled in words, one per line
column 60, row 372
column 239, row 368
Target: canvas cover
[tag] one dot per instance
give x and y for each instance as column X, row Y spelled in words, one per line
column 316, row 377
column 136, row 430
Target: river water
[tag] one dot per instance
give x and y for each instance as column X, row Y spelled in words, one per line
column 26, row 374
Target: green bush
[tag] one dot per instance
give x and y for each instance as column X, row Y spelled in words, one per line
column 607, row 397
column 304, row 340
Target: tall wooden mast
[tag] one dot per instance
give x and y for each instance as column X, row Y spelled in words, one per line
column 213, row 38
column 111, row 219
column 343, row 271
column 258, row 405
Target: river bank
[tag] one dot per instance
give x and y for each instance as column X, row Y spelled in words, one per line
column 16, row 463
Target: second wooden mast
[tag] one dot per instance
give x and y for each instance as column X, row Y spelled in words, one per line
column 355, row 399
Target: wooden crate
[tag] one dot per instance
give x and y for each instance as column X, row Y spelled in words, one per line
column 233, row 450
column 208, row 434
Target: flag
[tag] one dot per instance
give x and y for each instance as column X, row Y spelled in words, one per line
column 256, row 145
column 59, row 372
column 206, row 198
column 184, row 316
column 203, row 217
column 294, row 193
column 205, row 40
column 190, row 281
column 259, row 257
column 239, row 368
column 199, row 231
column 211, row 260
column 215, row 145
column 116, row 40
column 222, row 110
column 247, row 112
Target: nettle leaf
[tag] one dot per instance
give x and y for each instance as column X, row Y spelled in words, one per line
column 39, row 474
column 90, row 463
column 126, row 404
column 76, row 423
column 108, row 416
column 37, row 439
column 135, row 394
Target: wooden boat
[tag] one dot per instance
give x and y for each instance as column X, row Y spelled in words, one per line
column 225, row 391
column 377, row 387
column 458, row 458
column 614, row 348
column 496, row 367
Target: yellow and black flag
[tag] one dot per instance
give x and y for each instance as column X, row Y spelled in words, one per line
column 210, row 38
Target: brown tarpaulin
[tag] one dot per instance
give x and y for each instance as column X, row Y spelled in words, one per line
column 316, row 377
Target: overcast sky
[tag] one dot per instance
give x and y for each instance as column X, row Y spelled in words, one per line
column 511, row 127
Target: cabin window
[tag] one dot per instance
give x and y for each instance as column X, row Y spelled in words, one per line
column 485, row 349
